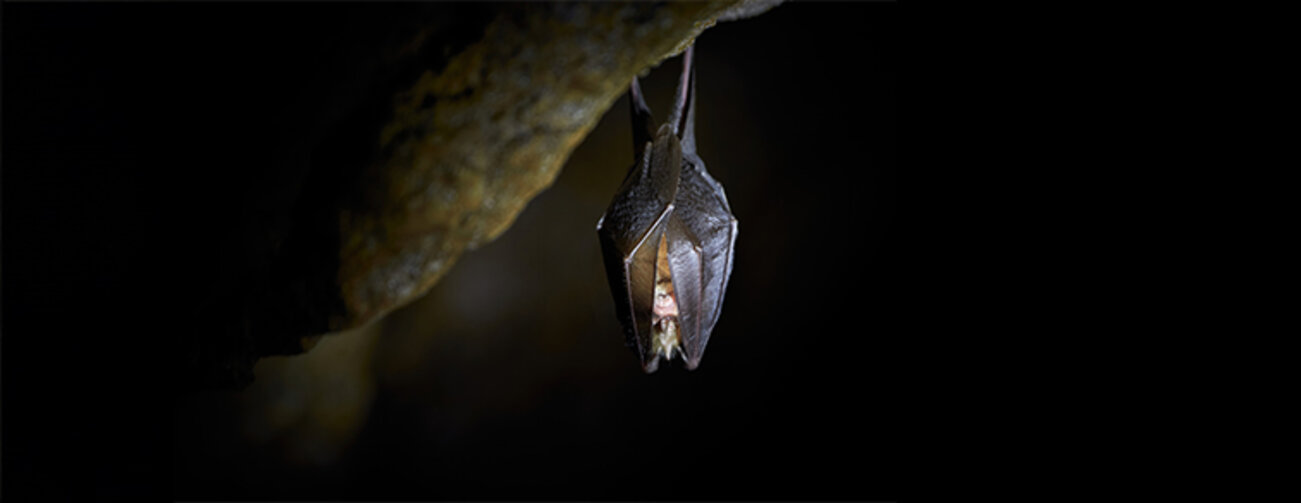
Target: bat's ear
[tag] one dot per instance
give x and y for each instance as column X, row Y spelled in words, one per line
column 684, row 106
column 642, row 123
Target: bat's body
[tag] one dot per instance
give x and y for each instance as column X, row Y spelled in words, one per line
column 668, row 236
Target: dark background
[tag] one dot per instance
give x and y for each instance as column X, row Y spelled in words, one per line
column 131, row 131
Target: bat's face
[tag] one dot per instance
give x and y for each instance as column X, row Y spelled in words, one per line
column 668, row 239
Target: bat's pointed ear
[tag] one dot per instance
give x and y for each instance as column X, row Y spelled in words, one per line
column 642, row 123
column 684, row 106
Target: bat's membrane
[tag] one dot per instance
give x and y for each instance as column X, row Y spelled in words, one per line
column 664, row 314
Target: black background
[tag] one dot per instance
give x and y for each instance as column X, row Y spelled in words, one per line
column 131, row 129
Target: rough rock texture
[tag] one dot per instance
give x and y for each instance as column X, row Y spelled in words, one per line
column 443, row 124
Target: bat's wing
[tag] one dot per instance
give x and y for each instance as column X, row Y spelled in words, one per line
column 630, row 232
column 702, row 218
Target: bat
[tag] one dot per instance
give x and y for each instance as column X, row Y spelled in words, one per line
column 668, row 236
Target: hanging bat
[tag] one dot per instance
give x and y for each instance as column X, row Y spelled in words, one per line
column 668, row 235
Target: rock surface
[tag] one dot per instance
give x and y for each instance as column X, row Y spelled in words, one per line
column 438, row 131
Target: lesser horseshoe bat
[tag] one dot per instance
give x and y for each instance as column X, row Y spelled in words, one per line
column 668, row 236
